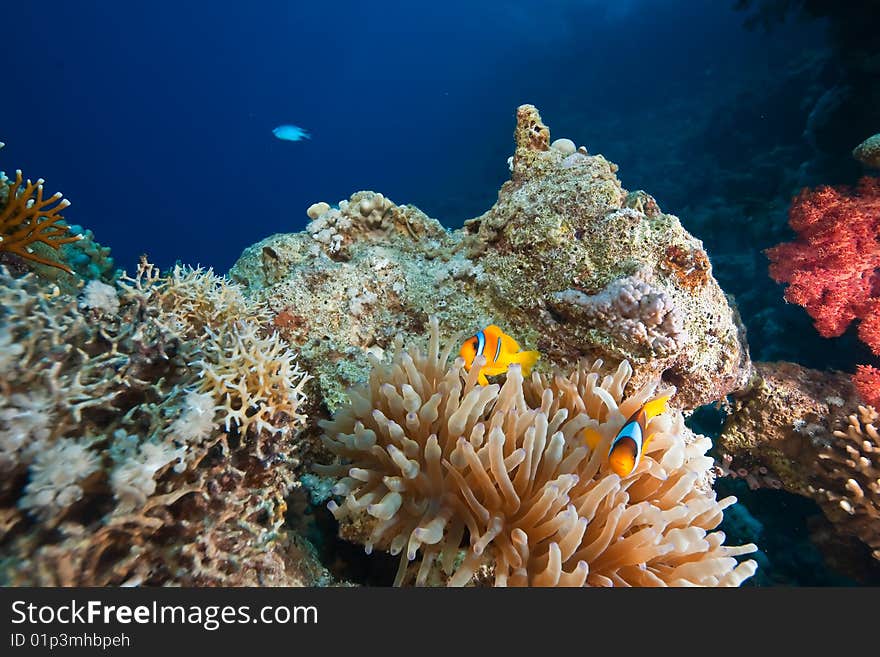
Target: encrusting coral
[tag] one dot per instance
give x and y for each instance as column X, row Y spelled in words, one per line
column 496, row 483
column 146, row 435
column 645, row 318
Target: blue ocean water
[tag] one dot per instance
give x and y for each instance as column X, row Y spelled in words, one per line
column 155, row 118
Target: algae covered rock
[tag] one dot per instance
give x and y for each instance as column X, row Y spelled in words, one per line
column 567, row 261
column 868, row 152
column 781, row 421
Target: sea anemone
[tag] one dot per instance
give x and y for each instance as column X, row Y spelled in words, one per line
column 496, row 483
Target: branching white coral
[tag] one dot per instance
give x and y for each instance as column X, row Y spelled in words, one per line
column 192, row 298
column 254, row 380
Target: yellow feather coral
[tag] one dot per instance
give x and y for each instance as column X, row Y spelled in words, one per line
column 499, row 478
column 28, row 218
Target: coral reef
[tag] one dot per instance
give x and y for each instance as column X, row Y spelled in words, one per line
column 804, row 431
column 776, row 425
column 562, row 231
column 147, row 435
column 431, row 461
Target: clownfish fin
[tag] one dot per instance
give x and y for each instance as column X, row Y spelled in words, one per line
column 592, row 437
column 527, row 360
column 481, row 378
column 657, row 406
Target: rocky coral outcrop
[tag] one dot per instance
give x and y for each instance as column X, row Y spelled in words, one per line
column 780, row 422
column 563, row 235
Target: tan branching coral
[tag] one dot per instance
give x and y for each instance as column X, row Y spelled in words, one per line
column 255, row 380
column 468, row 477
column 27, row 218
column 192, row 298
column 848, row 470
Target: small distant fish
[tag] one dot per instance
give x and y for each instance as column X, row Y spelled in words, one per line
column 632, row 440
column 500, row 351
column 290, row 133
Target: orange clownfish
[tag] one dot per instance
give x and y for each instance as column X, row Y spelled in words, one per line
column 632, row 440
column 500, row 351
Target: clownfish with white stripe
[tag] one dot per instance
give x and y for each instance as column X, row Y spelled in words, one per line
column 500, row 350
column 633, row 438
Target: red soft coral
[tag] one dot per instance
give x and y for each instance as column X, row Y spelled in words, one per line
column 867, row 383
column 833, row 269
column 869, row 326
